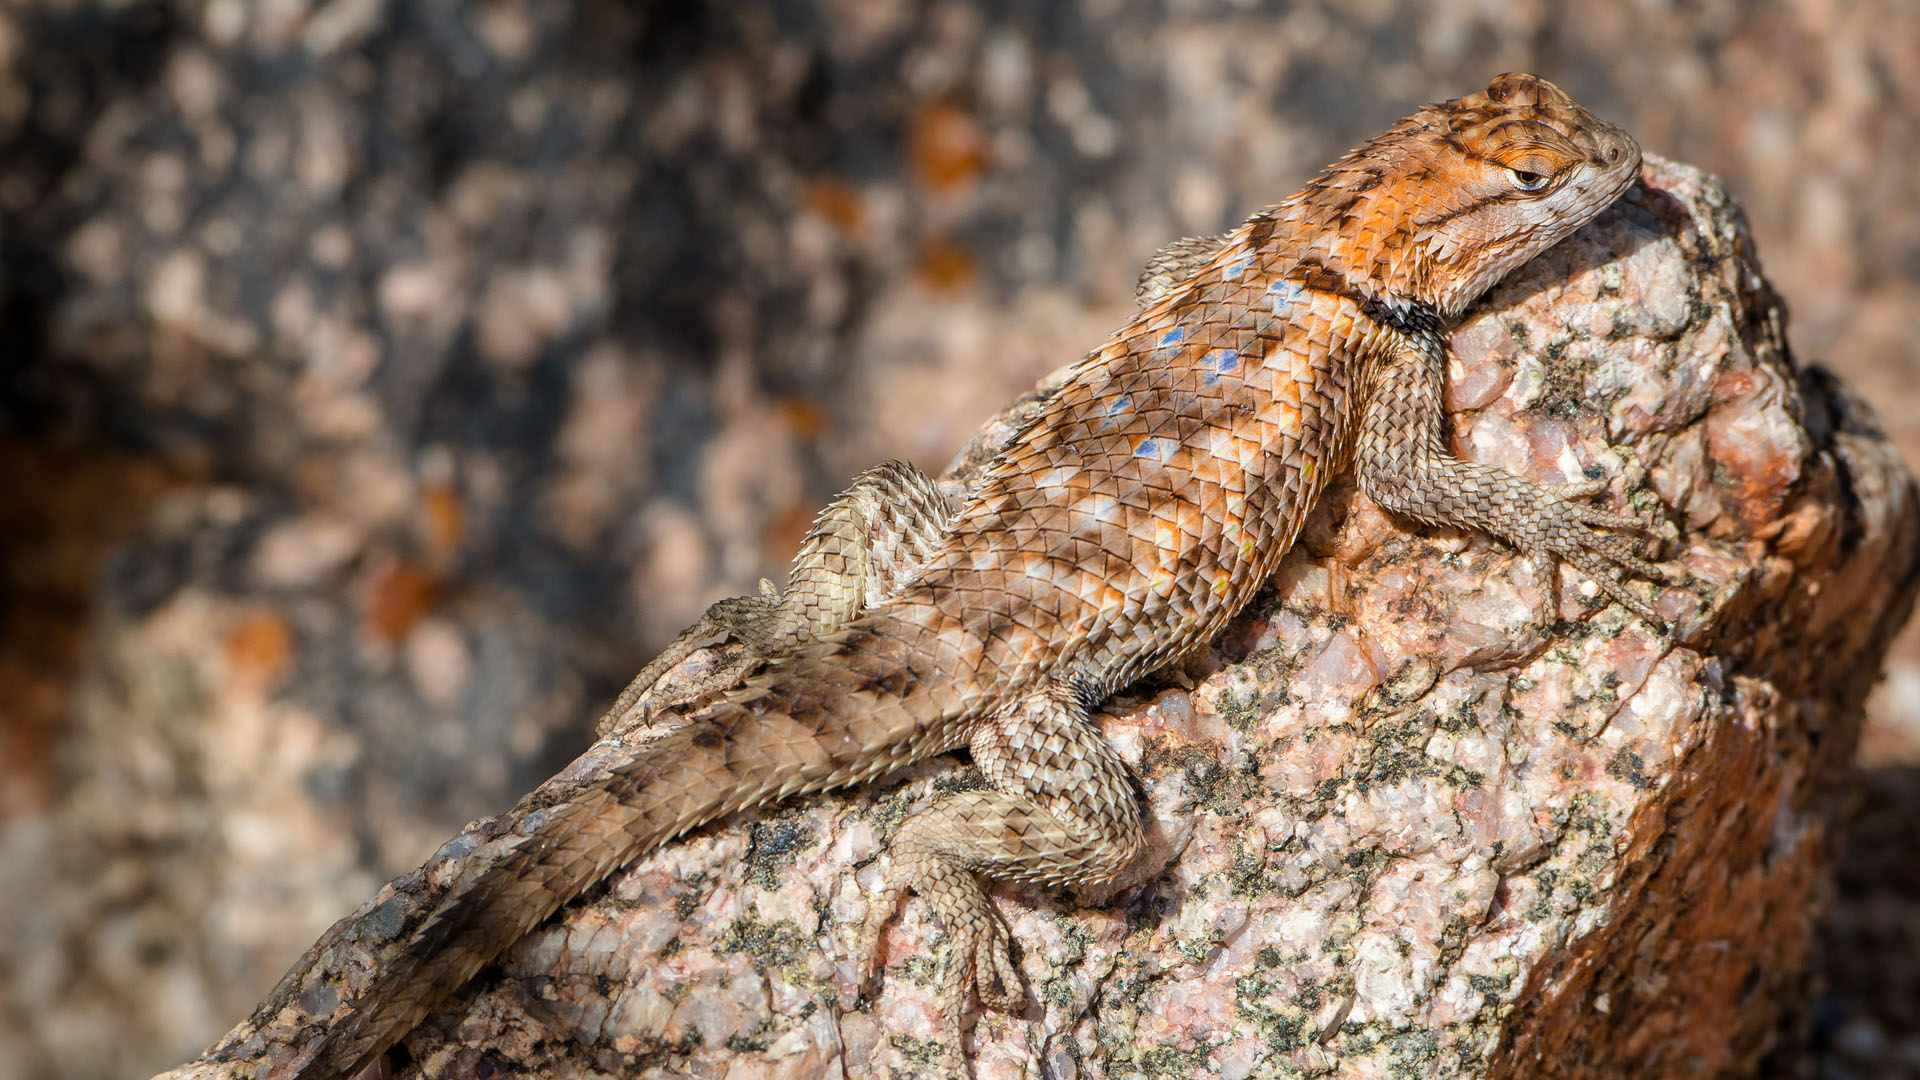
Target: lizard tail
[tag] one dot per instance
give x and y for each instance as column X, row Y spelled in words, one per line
column 822, row 726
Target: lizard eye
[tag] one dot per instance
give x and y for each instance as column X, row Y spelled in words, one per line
column 1526, row 180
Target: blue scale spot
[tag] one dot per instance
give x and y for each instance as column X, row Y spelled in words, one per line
column 1285, row 292
column 1237, row 267
column 1158, row 449
column 1120, row 404
column 1221, row 361
column 1173, row 337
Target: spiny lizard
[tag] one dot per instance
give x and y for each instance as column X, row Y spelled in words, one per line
column 1150, row 496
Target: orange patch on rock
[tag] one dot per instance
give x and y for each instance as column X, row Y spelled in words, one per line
column 945, row 147
column 806, row 416
column 836, row 200
column 259, row 646
column 788, row 527
column 944, row 263
column 444, row 522
column 402, row 592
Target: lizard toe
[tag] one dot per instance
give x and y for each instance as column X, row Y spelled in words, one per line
column 996, row 977
column 1606, row 519
column 867, row 958
column 980, row 963
column 1602, row 571
column 1578, row 489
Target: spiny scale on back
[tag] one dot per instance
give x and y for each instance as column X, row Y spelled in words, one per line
column 1144, row 504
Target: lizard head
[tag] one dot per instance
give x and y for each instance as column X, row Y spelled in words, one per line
column 1529, row 166
column 1462, row 192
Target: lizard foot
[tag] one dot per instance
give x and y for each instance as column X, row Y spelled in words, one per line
column 1566, row 530
column 980, row 954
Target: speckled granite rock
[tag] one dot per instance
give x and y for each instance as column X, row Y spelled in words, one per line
column 1402, row 828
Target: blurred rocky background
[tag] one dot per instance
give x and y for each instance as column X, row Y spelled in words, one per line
column 382, row 381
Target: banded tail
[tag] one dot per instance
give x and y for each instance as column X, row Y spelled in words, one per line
column 845, row 709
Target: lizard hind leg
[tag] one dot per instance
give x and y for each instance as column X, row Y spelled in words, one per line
column 864, row 546
column 1061, row 810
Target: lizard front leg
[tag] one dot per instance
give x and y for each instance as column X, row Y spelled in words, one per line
column 863, row 547
column 1062, row 811
column 1403, row 465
